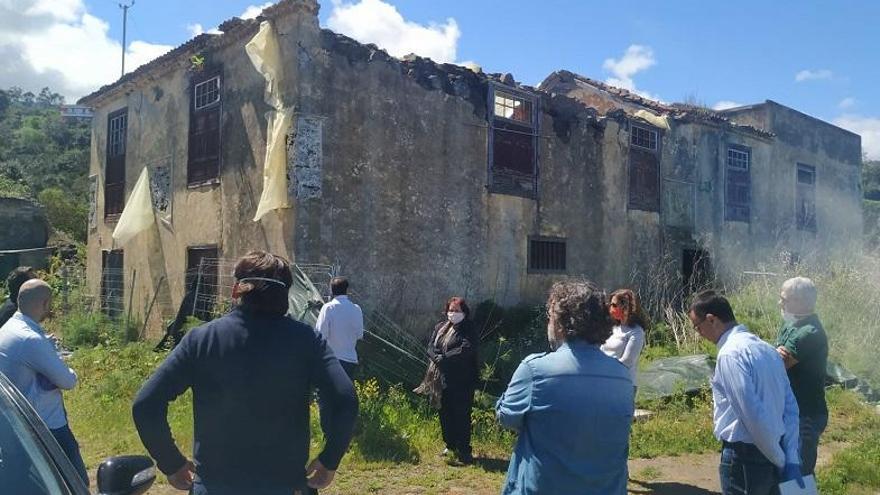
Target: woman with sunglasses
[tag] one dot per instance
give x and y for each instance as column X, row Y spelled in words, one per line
column 628, row 336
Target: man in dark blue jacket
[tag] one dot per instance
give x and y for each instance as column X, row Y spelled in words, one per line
column 251, row 373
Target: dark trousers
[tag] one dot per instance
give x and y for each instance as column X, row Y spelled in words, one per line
column 201, row 488
column 811, row 427
column 744, row 470
column 69, row 445
column 455, row 419
column 323, row 410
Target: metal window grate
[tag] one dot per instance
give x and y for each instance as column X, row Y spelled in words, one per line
column 547, row 255
column 805, row 198
column 207, row 93
column 738, row 197
column 643, row 137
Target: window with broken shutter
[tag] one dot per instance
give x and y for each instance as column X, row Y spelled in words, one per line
column 513, row 142
column 644, row 168
column 738, row 194
column 203, row 163
column 114, row 172
column 202, row 277
column 805, row 197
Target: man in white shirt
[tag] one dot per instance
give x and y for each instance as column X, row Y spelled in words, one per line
column 755, row 412
column 29, row 359
column 341, row 322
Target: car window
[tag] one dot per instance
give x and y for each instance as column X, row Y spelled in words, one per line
column 25, row 468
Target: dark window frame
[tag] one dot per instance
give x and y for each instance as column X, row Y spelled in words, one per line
column 642, row 195
column 805, row 192
column 114, row 166
column 203, row 307
column 650, row 135
column 737, row 182
column 205, row 135
column 512, row 180
column 558, row 261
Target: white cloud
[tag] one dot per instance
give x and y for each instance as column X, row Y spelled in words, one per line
column 635, row 59
column 847, row 102
column 254, row 10
column 725, row 104
column 868, row 128
column 197, row 29
column 374, row 21
column 57, row 43
column 813, row 75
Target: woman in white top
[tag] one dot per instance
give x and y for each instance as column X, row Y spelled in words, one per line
column 628, row 337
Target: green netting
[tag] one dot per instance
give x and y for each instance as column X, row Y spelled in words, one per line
column 387, row 351
column 664, row 377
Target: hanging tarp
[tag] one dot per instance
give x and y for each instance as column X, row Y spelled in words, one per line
column 137, row 215
column 265, row 53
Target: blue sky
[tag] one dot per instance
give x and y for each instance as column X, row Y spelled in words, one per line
column 818, row 57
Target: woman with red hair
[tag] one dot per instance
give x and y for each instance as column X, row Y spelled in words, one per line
column 452, row 377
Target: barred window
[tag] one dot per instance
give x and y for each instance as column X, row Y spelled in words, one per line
column 643, row 137
column 112, row 283
column 207, row 93
column 738, row 159
column 547, row 254
column 117, row 127
column 512, row 107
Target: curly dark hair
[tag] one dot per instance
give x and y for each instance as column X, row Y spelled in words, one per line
column 580, row 309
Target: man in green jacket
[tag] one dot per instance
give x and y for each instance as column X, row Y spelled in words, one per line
column 803, row 345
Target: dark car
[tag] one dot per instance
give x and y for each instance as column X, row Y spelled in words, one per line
column 32, row 463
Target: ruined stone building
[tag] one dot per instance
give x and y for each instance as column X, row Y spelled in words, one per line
column 422, row 180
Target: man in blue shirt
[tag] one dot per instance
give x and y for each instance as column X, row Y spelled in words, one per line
column 572, row 407
column 29, row 359
column 755, row 413
column 251, row 373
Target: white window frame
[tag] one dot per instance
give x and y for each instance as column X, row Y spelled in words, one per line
column 746, row 153
column 202, row 84
column 651, row 132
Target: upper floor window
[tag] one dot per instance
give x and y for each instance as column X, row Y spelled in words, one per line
column 513, row 142
column 738, row 194
column 203, row 163
column 644, row 168
column 643, row 137
column 114, row 172
column 805, row 197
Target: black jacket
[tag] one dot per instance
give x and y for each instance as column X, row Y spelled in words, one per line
column 7, row 310
column 459, row 365
column 251, row 376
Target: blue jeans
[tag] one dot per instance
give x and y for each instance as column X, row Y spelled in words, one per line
column 744, row 470
column 811, row 427
column 200, row 488
column 69, row 445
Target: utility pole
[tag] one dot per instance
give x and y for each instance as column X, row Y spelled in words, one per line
column 124, row 7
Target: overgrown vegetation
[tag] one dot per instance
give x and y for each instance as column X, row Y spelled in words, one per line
column 45, row 157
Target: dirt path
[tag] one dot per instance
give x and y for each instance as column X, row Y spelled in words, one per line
column 694, row 474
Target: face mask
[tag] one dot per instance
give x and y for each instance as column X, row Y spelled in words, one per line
column 617, row 313
column 788, row 317
column 455, row 317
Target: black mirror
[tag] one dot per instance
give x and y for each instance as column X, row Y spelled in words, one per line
column 126, row 475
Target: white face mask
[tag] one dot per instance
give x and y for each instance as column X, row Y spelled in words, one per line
column 455, row 317
column 788, row 317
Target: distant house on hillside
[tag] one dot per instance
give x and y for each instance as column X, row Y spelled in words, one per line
column 423, row 180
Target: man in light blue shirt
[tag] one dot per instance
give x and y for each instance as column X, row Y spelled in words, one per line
column 572, row 407
column 29, row 359
column 755, row 412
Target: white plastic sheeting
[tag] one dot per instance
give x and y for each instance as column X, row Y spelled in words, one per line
column 265, row 54
column 138, row 212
